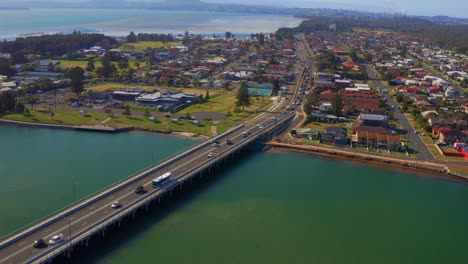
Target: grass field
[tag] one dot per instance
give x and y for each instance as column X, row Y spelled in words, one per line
column 163, row 124
column 142, row 45
column 97, row 63
column 62, row 117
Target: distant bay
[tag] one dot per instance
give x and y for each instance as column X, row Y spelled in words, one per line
column 119, row 22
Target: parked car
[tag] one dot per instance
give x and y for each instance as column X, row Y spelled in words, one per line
column 56, row 239
column 40, row 243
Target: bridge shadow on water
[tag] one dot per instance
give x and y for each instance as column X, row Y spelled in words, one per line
column 116, row 238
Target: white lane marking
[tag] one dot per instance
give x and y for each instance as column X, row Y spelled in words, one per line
column 22, row 243
column 85, row 223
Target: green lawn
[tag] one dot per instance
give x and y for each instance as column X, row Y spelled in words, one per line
column 436, row 153
column 163, row 124
column 62, row 117
column 142, row 45
column 97, row 63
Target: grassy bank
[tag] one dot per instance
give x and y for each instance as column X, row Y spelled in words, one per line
column 61, row 117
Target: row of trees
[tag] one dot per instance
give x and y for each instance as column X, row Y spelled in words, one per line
column 55, row 45
column 132, row 37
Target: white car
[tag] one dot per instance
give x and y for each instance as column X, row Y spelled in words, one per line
column 56, row 239
column 211, row 155
column 115, row 204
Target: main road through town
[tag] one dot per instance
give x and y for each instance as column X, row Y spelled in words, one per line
column 21, row 250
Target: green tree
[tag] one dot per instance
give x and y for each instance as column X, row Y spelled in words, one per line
column 276, row 87
column 7, row 102
column 127, row 112
column 337, row 104
column 311, row 101
column 228, row 35
column 51, row 113
column 132, row 38
column 90, row 67
column 5, row 69
column 207, row 95
column 76, row 75
column 46, row 84
column 243, row 98
column 32, row 100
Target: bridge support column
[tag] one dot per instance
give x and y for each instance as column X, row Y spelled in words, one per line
column 103, row 233
column 147, row 206
column 86, row 242
column 133, row 214
column 68, row 254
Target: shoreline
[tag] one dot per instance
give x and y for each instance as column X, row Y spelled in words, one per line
column 420, row 168
column 101, row 129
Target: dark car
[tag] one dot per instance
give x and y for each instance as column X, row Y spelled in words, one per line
column 40, row 243
column 229, row 142
column 140, row 189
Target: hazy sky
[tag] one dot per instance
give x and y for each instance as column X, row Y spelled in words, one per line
column 456, row 8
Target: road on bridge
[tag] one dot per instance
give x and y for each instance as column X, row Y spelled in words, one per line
column 21, row 249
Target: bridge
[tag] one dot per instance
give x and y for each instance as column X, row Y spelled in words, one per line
column 94, row 215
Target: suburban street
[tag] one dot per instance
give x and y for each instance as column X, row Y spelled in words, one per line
column 422, row 152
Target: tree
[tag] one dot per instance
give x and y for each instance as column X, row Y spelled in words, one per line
column 127, row 112
column 137, row 65
column 32, row 100
column 46, row 84
column 207, row 95
column 123, row 64
column 276, row 88
column 51, row 67
column 90, row 67
column 132, row 38
column 261, row 39
column 100, row 73
column 5, row 69
column 228, row 35
column 76, row 75
column 51, row 113
column 147, row 114
column 311, row 101
column 337, row 104
column 7, row 102
column 243, row 98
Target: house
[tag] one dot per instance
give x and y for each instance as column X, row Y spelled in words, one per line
column 46, row 65
column 374, row 137
column 125, row 96
column 449, row 136
column 372, row 120
column 334, row 135
column 308, row 133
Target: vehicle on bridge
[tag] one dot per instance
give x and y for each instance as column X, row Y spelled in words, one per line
column 140, row 189
column 158, row 182
column 56, row 239
column 229, row 142
column 245, row 134
column 116, row 205
column 40, row 243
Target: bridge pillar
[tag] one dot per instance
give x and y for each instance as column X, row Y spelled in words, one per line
column 146, row 206
column 103, row 232
column 133, row 214
column 118, row 223
column 86, row 242
column 68, row 254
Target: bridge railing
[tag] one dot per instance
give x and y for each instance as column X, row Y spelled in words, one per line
column 61, row 213
column 98, row 226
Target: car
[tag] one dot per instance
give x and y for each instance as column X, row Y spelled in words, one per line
column 260, row 127
column 215, row 145
column 40, row 243
column 211, row 155
column 229, row 142
column 56, row 239
column 116, row 205
column 140, row 189
column 416, row 132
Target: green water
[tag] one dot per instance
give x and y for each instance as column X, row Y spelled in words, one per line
column 266, row 208
column 38, row 167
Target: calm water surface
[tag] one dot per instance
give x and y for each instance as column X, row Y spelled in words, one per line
column 119, row 22
column 38, row 167
column 266, row 208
